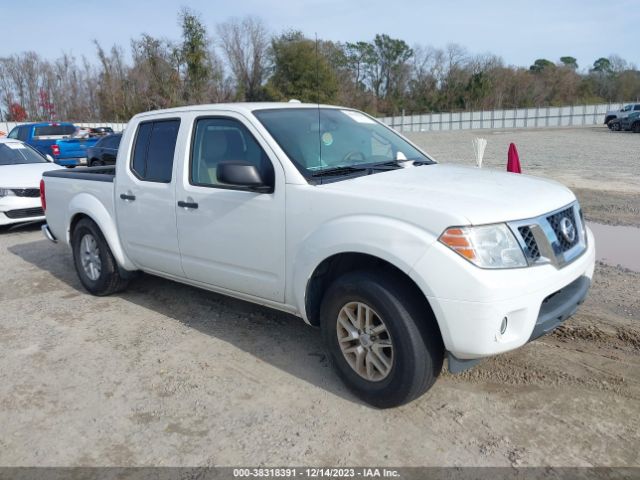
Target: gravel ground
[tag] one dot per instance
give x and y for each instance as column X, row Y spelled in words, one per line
column 166, row 374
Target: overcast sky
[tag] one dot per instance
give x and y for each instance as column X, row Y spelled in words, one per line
column 519, row 31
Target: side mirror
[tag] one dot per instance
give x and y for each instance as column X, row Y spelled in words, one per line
column 242, row 174
column 49, row 158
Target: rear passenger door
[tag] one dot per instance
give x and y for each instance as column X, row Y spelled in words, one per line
column 145, row 198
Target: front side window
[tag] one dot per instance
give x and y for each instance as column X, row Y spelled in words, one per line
column 154, row 150
column 637, row 107
column 326, row 138
column 219, row 140
column 16, row 153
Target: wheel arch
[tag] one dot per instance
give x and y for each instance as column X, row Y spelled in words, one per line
column 87, row 206
column 341, row 263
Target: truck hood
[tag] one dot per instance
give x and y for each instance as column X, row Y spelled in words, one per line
column 479, row 195
column 26, row 175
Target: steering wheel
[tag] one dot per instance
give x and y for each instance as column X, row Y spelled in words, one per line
column 352, row 156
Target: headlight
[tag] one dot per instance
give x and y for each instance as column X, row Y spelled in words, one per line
column 487, row 246
column 6, row 192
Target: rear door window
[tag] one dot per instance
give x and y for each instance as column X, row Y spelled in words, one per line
column 154, row 150
column 114, row 142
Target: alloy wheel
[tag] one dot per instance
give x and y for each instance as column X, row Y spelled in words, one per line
column 365, row 341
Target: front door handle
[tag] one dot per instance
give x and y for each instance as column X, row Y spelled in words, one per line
column 127, row 196
column 187, row 204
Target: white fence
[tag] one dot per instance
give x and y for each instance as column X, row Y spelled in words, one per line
column 539, row 117
column 6, row 127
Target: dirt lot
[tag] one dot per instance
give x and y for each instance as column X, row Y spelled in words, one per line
column 166, row 374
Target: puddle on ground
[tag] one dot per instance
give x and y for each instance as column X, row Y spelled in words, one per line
column 617, row 245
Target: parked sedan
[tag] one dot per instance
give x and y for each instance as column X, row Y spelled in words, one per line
column 105, row 151
column 21, row 168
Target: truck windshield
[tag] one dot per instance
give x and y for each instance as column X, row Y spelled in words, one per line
column 51, row 132
column 14, row 153
column 329, row 138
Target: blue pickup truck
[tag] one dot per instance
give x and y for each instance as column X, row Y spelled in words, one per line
column 56, row 140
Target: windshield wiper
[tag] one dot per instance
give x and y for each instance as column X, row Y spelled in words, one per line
column 398, row 163
column 338, row 171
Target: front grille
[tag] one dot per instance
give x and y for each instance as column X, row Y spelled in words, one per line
column 26, row 192
column 25, row 213
column 556, row 220
column 533, row 252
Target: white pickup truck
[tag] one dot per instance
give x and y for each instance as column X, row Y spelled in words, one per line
column 325, row 213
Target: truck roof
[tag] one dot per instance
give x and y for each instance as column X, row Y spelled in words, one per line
column 241, row 107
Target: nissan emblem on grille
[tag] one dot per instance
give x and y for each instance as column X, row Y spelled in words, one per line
column 568, row 229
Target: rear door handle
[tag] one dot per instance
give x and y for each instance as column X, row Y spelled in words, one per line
column 187, row 204
column 125, row 196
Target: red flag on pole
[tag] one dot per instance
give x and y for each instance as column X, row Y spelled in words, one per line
column 513, row 161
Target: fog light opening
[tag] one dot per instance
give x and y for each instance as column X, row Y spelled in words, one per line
column 503, row 325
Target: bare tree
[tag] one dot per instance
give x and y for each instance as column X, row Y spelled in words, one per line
column 245, row 43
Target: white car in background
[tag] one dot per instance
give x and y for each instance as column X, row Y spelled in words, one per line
column 21, row 169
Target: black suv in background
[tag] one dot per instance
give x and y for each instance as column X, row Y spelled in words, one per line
column 105, row 151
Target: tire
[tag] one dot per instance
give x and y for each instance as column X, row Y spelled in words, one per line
column 414, row 360
column 90, row 248
column 615, row 126
column 635, row 128
column 96, row 163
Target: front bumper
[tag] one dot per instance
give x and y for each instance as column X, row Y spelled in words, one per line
column 555, row 309
column 20, row 209
column 470, row 303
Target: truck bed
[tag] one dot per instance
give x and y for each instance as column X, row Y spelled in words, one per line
column 79, row 190
column 96, row 174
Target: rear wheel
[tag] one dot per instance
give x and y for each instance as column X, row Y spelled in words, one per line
column 383, row 341
column 95, row 265
column 636, row 127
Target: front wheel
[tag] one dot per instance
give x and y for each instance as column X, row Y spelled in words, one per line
column 95, row 265
column 383, row 341
column 615, row 126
